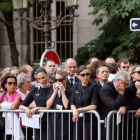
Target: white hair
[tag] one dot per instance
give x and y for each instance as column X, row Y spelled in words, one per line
column 21, row 78
column 122, row 75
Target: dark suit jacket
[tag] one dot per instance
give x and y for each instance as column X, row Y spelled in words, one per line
column 76, row 81
column 111, row 100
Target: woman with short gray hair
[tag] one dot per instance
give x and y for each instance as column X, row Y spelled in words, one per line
column 23, row 84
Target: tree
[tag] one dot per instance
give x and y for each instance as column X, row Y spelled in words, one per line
column 6, row 7
column 116, row 38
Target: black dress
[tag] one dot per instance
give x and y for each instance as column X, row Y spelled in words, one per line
column 82, row 97
column 58, row 101
column 40, row 96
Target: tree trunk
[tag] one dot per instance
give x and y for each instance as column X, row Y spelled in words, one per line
column 11, row 36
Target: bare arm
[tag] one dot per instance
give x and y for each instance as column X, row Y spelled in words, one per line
column 52, row 98
column 16, row 104
column 87, row 108
column 64, row 99
column 75, row 113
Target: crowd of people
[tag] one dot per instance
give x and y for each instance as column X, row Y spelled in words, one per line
column 101, row 85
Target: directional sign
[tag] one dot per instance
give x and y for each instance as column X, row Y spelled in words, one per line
column 135, row 24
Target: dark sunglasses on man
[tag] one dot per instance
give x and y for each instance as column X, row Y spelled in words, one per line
column 136, row 72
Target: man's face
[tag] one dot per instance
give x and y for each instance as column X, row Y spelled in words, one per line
column 71, row 67
column 124, row 66
column 103, row 74
column 50, row 67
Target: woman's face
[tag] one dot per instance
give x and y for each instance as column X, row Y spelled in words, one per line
column 136, row 74
column 11, row 85
column 14, row 72
column 42, row 78
column 27, row 84
column 60, row 78
column 84, row 76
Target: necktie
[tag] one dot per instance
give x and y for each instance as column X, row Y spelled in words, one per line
column 71, row 82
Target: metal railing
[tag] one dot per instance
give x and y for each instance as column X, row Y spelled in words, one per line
column 62, row 118
column 127, row 129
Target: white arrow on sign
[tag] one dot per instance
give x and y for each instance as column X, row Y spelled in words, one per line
column 134, row 24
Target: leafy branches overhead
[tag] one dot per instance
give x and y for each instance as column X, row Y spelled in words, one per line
column 116, row 38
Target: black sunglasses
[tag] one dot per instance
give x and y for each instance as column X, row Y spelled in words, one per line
column 59, row 80
column 136, row 72
column 84, row 74
column 12, row 83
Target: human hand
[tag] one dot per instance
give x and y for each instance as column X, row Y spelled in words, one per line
column 122, row 110
column 137, row 114
column 28, row 112
column 75, row 115
column 120, row 86
column 137, row 85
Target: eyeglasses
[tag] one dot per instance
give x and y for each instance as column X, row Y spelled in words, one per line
column 59, row 80
column 84, row 74
column 124, row 67
column 136, row 72
column 12, row 83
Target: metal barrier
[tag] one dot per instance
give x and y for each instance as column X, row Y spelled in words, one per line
column 61, row 121
column 126, row 130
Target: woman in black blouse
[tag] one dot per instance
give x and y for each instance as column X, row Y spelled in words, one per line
column 59, row 99
column 84, row 98
column 39, row 95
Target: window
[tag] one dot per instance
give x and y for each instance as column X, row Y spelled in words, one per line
column 63, row 39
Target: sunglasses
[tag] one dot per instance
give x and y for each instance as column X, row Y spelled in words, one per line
column 84, row 74
column 124, row 67
column 59, row 80
column 12, row 83
column 136, row 72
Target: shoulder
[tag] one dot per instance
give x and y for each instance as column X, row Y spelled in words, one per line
column 17, row 94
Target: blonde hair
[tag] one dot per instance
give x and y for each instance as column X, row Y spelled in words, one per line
column 63, row 72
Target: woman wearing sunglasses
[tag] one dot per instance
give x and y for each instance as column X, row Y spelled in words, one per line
column 39, row 95
column 59, row 99
column 84, row 98
column 9, row 99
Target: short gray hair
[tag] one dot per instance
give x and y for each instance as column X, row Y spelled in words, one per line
column 121, row 75
column 21, row 78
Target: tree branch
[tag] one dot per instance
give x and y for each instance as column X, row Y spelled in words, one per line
column 3, row 22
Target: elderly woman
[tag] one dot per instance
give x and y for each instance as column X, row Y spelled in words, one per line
column 84, row 98
column 40, row 95
column 9, row 99
column 59, row 99
column 23, row 84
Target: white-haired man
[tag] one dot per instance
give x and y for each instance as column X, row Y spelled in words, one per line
column 113, row 96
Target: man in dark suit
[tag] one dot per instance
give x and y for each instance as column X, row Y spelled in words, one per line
column 71, row 65
column 102, row 73
column 113, row 97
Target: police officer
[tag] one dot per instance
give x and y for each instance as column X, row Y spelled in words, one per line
column 39, row 94
column 84, row 98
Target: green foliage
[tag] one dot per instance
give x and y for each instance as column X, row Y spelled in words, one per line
column 116, row 38
column 6, row 5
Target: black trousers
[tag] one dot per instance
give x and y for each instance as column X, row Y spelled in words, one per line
column 87, row 131
column 43, row 132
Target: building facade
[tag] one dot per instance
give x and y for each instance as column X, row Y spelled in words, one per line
column 68, row 37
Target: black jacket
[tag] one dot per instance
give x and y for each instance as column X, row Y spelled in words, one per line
column 110, row 100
